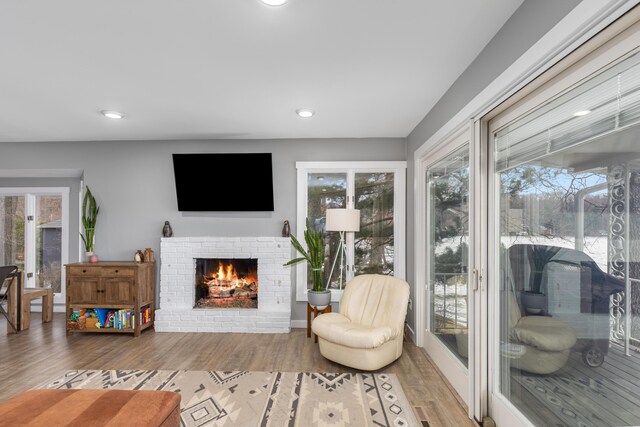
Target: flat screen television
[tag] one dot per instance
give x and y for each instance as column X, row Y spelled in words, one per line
column 231, row 182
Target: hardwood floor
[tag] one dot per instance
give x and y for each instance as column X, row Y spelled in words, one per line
column 44, row 352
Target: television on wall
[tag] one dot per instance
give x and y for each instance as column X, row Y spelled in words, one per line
column 229, row 182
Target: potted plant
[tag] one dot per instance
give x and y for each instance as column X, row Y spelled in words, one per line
column 318, row 295
column 534, row 300
column 90, row 211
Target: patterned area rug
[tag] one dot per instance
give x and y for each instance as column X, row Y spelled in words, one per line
column 215, row 398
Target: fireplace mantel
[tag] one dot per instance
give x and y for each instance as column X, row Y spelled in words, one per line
column 177, row 278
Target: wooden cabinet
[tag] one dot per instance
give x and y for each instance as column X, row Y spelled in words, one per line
column 114, row 286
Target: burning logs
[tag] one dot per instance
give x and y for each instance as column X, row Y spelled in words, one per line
column 245, row 291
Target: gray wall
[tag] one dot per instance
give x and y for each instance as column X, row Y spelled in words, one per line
column 525, row 27
column 134, row 185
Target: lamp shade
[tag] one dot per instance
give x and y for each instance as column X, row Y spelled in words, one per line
column 343, row 220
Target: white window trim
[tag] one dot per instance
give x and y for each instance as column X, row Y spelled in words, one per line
column 398, row 168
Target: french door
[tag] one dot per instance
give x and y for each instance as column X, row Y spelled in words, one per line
column 34, row 235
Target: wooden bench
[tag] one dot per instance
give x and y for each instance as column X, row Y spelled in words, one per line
column 47, row 305
column 94, row 408
column 19, row 304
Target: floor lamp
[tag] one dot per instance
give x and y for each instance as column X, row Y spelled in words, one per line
column 341, row 220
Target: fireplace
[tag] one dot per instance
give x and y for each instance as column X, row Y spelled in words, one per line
column 226, row 283
column 176, row 312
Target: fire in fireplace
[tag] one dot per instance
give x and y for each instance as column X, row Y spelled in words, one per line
column 226, row 283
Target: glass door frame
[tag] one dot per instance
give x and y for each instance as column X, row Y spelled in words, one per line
column 462, row 378
column 30, row 194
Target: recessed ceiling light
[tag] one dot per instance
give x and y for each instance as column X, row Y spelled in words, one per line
column 581, row 113
column 305, row 113
column 112, row 114
column 274, row 2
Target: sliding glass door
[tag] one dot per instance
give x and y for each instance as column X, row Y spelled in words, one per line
column 33, row 235
column 448, row 258
column 447, row 255
column 566, row 253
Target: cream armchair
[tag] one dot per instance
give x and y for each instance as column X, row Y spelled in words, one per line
column 367, row 333
column 546, row 341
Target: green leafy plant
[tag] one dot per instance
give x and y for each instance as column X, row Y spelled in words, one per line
column 314, row 254
column 90, row 211
column 540, row 256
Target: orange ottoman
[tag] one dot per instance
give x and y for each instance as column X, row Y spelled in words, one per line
column 93, row 408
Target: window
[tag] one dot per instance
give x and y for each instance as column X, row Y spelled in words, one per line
column 377, row 189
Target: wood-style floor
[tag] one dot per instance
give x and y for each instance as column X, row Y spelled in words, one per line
column 606, row 396
column 44, row 352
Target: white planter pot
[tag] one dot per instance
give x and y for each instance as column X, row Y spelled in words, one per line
column 320, row 300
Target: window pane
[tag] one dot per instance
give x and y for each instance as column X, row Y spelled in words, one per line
column 569, row 255
column 12, row 230
column 324, row 191
column 448, row 198
column 374, row 248
column 49, row 242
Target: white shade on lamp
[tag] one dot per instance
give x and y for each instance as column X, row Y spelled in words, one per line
column 343, row 220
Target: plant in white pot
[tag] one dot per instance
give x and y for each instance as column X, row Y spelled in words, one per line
column 318, row 295
column 90, row 211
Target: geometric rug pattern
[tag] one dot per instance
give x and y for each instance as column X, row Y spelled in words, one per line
column 243, row 398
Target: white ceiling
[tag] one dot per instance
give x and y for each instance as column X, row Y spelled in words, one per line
column 195, row 69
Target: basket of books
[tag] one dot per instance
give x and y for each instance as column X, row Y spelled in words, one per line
column 76, row 325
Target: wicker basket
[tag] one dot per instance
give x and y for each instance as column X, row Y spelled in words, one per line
column 76, row 325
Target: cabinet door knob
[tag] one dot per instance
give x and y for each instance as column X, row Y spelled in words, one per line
column 116, row 271
column 84, row 271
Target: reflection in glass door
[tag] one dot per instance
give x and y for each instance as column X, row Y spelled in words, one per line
column 448, row 254
column 567, row 254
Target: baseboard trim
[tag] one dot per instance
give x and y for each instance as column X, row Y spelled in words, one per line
column 410, row 332
column 298, row 324
column 36, row 307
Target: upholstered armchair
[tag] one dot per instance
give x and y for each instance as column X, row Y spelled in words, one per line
column 367, row 333
column 546, row 341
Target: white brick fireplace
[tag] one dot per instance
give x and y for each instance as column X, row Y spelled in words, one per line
column 177, row 285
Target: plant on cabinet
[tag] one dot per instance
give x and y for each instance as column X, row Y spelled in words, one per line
column 90, row 211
